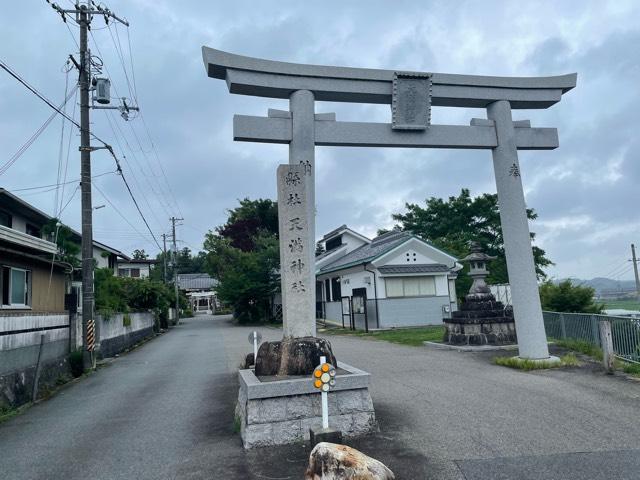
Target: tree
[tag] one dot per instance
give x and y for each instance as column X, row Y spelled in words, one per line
column 63, row 237
column 451, row 224
column 139, row 254
column 243, row 254
column 567, row 297
column 246, row 221
column 319, row 249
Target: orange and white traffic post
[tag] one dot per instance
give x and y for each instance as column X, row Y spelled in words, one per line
column 324, row 377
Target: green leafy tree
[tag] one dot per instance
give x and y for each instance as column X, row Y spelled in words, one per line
column 567, row 297
column 63, row 237
column 243, row 254
column 451, row 224
column 139, row 254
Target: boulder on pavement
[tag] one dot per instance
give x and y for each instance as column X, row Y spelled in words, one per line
column 248, row 361
column 293, row 356
column 330, row 461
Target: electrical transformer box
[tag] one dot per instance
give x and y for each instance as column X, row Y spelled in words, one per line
column 103, row 87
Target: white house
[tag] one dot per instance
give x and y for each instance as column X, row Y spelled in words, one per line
column 394, row 280
column 135, row 268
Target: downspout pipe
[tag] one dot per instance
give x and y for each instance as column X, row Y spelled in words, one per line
column 375, row 293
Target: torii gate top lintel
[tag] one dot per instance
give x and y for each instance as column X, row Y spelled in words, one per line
column 268, row 78
column 411, row 126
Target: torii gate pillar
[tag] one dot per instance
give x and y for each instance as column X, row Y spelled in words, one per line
column 532, row 340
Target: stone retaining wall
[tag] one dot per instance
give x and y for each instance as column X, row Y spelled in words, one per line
column 281, row 412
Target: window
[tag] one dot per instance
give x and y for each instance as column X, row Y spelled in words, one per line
column 333, row 243
column 32, row 230
column 5, row 219
column 410, row 286
column 335, row 289
column 124, row 272
column 135, row 272
column 16, row 287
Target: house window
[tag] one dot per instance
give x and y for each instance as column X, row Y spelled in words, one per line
column 16, row 287
column 124, row 272
column 333, row 243
column 32, row 230
column 410, row 286
column 5, row 219
column 135, row 272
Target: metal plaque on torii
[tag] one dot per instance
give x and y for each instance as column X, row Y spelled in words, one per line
column 411, row 101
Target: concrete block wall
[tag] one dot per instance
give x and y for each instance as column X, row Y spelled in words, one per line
column 115, row 337
column 287, row 419
column 20, row 338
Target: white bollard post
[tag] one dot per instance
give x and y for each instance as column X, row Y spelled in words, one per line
column 255, row 346
column 325, row 402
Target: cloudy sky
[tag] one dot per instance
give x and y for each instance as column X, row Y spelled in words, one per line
column 184, row 162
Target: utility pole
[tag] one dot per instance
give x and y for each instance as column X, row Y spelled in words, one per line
column 635, row 269
column 85, row 193
column 164, row 257
column 83, row 16
column 175, row 264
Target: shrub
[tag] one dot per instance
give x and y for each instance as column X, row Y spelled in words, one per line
column 126, row 320
column 76, row 364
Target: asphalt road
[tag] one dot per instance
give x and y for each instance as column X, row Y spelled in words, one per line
column 165, row 411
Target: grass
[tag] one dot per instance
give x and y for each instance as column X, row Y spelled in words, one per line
column 580, row 346
column 631, row 369
column 403, row 336
column 568, row 360
column 625, row 304
column 9, row 412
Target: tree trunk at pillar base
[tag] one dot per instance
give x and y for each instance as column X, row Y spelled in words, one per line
column 293, row 356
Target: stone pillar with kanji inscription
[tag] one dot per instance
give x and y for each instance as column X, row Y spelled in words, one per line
column 296, row 270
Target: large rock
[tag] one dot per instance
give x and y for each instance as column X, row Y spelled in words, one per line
column 329, row 461
column 293, row 356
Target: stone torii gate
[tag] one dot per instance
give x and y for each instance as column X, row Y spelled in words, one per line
column 411, row 95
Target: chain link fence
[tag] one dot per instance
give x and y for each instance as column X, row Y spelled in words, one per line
column 583, row 326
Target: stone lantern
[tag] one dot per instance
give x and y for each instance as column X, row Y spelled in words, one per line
column 481, row 320
column 477, row 261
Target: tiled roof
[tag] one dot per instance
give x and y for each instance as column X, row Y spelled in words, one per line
column 195, row 281
column 366, row 253
column 415, row 268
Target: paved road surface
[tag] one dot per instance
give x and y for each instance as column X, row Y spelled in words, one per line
column 165, row 411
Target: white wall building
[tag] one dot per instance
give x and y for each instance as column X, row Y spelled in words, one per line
column 394, row 280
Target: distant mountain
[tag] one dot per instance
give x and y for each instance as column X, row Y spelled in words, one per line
column 601, row 284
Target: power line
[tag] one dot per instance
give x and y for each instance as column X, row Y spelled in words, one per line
column 36, row 134
column 62, row 183
column 158, row 194
column 106, row 145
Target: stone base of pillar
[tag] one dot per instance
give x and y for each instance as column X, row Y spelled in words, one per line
column 293, row 356
column 273, row 411
column 550, row 359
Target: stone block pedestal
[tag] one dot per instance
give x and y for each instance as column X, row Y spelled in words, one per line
column 281, row 411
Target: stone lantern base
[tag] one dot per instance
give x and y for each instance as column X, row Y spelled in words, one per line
column 481, row 320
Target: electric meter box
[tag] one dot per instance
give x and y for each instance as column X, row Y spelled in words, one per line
column 103, row 87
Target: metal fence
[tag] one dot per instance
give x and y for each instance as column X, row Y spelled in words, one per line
column 583, row 326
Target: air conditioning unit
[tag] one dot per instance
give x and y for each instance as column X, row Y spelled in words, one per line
column 103, row 88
